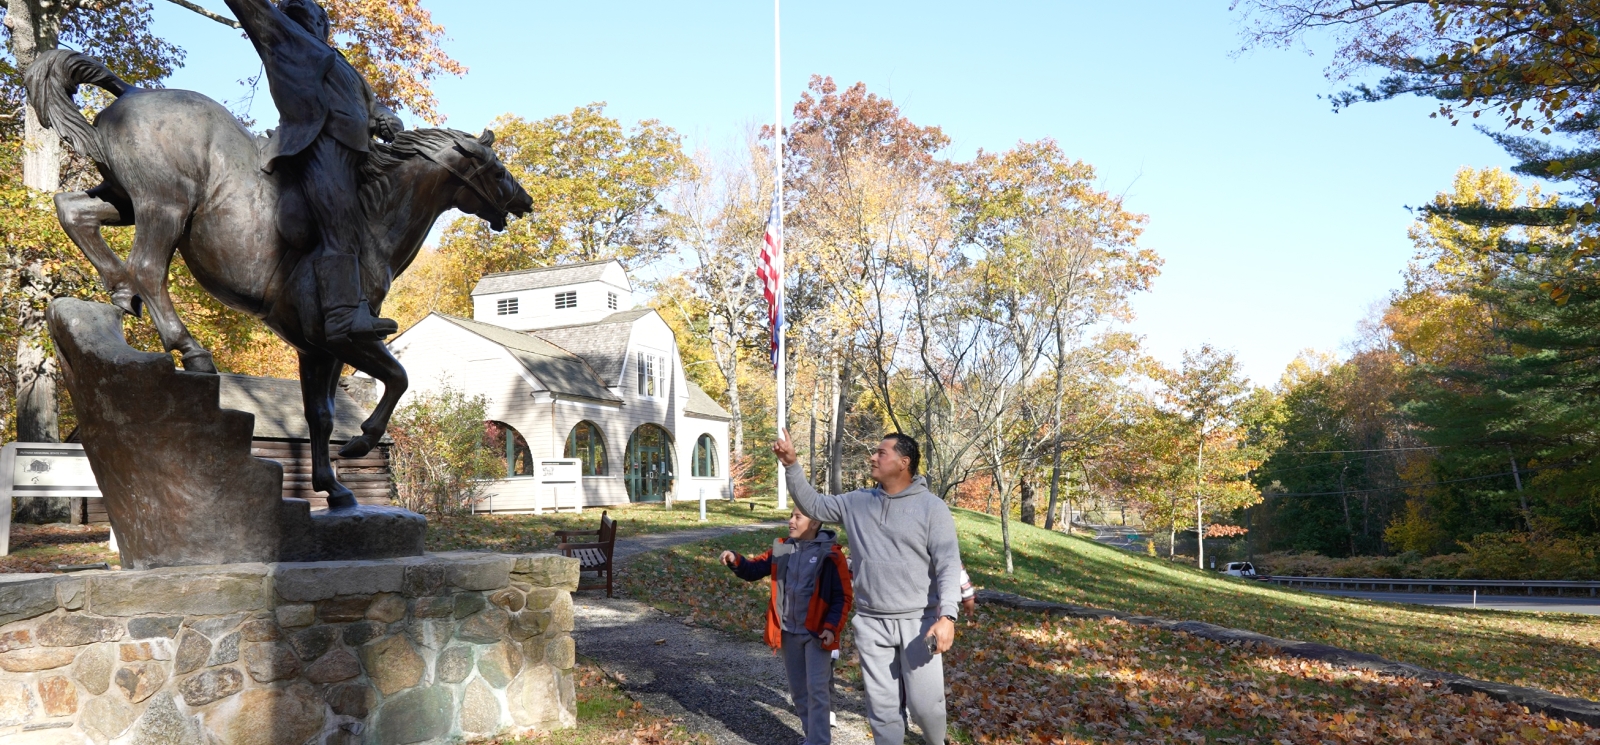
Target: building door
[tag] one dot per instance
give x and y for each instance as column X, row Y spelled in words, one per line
column 649, row 467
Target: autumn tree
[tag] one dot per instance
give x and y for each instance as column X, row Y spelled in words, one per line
column 720, row 219
column 597, row 191
column 1205, row 404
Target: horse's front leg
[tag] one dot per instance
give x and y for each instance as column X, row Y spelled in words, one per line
column 319, row 377
column 160, row 227
column 81, row 215
column 373, row 358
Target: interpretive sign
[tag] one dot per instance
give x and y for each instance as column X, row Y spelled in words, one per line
column 562, row 479
column 42, row 469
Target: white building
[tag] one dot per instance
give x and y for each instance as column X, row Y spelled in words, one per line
column 572, row 369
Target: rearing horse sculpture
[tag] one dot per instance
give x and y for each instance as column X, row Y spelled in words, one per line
column 181, row 168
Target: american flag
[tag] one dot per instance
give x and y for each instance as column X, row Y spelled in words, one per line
column 771, row 277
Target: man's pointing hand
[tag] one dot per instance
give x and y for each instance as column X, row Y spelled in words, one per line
column 784, row 449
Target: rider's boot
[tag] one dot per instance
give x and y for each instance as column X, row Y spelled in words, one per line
column 346, row 316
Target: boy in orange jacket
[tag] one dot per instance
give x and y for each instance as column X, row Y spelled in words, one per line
column 811, row 598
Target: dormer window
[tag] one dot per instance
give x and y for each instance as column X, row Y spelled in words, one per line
column 505, row 306
column 611, row 300
column 568, row 299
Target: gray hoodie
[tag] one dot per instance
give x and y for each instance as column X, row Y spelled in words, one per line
column 904, row 558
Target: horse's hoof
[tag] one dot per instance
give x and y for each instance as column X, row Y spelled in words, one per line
column 341, row 499
column 199, row 362
column 356, row 448
column 128, row 302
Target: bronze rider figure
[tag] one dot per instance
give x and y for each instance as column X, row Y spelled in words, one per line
column 327, row 115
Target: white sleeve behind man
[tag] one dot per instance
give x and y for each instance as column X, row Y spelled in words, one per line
column 828, row 508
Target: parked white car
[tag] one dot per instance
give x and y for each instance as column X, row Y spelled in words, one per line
column 1240, row 569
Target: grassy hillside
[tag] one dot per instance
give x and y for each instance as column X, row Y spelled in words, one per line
column 1555, row 652
column 1019, row 677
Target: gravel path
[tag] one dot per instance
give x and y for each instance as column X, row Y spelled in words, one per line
column 732, row 689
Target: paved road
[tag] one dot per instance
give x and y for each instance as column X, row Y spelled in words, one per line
column 1536, row 603
column 732, row 689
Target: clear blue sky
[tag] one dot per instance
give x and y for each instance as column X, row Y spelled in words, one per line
column 1281, row 223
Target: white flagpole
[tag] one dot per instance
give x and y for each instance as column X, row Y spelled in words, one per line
column 777, row 190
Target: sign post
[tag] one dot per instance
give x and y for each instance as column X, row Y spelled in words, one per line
column 702, row 504
column 42, row 469
column 561, row 475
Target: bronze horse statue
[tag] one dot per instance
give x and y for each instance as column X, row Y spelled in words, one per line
column 187, row 174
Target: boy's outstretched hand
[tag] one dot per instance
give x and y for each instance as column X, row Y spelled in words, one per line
column 730, row 559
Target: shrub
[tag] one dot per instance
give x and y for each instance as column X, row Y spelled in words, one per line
column 1540, row 553
column 440, row 458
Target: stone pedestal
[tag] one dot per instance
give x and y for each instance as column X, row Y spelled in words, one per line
column 360, row 532
column 174, row 468
column 427, row 649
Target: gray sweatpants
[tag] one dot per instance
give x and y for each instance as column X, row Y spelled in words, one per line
column 895, row 659
column 810, row 669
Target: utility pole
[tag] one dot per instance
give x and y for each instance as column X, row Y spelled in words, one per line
column 1522, row 499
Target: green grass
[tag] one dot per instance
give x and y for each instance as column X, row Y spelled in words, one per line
column 524, row 533
column 1560, row 653
column 1022, row 677
column 41, row 548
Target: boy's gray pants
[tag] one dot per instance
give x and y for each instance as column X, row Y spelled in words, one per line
column 810, row 669
column 895, row 658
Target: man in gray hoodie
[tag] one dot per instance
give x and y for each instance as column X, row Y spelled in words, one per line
column 906, row 568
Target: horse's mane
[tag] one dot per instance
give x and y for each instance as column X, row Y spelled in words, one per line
column 383, row 159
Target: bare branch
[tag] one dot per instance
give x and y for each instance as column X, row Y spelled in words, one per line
column 218, row 17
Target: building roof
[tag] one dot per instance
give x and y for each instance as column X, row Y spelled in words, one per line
column 703, row 406
column 280, row 412
column 563, row 372
column 548, row 276
column 603, row 347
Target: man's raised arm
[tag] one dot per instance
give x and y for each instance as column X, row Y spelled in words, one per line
column 825, row 507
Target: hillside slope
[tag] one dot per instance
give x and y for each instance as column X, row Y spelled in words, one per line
column 1559, row 653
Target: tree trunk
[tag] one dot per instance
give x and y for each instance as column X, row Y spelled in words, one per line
column 1005, row 495
column 1028, row 506
column 736, row 407
column 811, row 447
column 841, row 403
column 35, row 26
column 1199, row 491
column 1055, row 426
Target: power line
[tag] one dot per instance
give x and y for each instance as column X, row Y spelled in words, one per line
column 1374, row 450
column 1393, row 488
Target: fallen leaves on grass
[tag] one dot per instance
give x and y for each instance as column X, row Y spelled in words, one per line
column 41, row 548
column 1554, row 652
column 1018, row 677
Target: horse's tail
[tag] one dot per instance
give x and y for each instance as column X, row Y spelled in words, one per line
column 52, row 80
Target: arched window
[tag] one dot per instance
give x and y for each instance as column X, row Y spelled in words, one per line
column 648, row 469
column 504, row 438
column 585, row 444
column 705, row 457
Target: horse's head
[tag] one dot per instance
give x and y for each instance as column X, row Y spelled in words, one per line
column 483, row 186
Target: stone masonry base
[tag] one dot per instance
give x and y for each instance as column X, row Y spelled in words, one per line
column 426, row 649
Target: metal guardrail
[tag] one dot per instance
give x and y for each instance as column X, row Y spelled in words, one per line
column 1379, row 584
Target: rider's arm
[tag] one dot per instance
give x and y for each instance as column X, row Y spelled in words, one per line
column 265, row 24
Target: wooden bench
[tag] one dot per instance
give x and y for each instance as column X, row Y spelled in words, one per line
column 594, row 557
